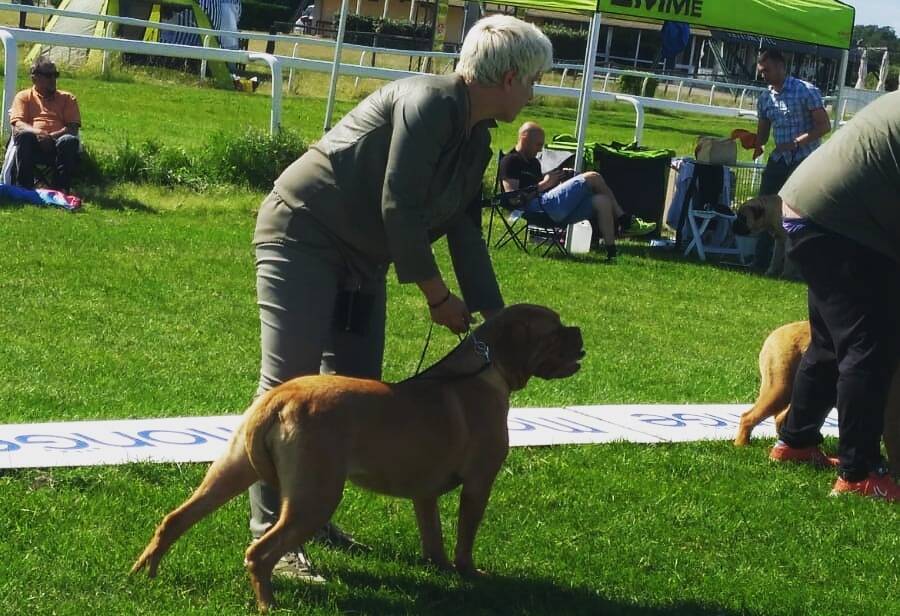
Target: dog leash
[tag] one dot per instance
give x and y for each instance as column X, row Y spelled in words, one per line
column 481, row 349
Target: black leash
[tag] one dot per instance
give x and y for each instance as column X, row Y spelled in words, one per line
column 481, row 349
column 424, row 349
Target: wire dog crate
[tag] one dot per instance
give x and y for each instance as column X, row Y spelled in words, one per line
column 745, row 181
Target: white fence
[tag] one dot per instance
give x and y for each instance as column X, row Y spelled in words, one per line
column 295, row 40
column 10, row 37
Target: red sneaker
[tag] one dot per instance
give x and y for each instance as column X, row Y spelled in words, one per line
column 782, row 452
column 875, row 485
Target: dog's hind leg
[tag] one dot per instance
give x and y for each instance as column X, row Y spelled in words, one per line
column 227, row 477
column 774, row 398
column 311, row 477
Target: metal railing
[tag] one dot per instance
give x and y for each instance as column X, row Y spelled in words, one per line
column 11, row 36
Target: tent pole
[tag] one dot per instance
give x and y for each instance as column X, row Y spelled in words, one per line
column 335, row 68
column 842, row 79
column 587, row 86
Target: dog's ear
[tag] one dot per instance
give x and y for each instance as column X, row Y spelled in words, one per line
column 511, row 352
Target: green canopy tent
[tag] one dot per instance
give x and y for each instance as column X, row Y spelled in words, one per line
column 819, row 22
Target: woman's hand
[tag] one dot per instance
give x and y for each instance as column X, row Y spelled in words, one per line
column 452, row 314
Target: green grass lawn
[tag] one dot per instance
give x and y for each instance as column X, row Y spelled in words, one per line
column 143, row 305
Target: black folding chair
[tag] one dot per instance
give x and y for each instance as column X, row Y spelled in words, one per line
column 519, row 224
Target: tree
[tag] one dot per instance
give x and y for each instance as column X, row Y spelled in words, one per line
column 877, row 36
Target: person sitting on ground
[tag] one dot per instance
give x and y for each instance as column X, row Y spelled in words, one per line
column 45, row 125
column 583, row 197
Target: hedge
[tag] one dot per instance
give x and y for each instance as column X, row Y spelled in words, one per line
column 261, row 15
column 568, row 43
column 633, row 83
column 393, row 33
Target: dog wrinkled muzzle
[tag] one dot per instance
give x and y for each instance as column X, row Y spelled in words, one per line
column 564, row 357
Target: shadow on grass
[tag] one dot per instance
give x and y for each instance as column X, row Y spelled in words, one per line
column 492, row 595
column 98, row 197
column 676, row 255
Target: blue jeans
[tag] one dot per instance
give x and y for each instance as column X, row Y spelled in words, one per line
column 566, row 203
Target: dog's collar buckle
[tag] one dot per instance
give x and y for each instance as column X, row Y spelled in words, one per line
column 481, row 349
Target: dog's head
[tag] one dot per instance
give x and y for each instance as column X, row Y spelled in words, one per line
column 752, row 215
column 527, row 340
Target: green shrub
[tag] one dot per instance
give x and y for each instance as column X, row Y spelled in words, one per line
column 638, row 84
column 402, row 34
column 253, row 159
column 260, row 16
column 393, row 33
column 360, row 28
column 569, row 44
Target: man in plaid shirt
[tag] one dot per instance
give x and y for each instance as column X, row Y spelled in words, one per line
column 791, row 109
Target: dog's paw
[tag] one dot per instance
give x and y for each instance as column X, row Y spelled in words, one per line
column 441, row 564
column 468, row 571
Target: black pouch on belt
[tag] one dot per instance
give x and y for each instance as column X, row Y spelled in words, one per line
column 353, row 311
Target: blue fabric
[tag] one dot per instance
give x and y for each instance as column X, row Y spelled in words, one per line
column 790, row 112
column 40, row 196
column 186, row 18
column 675, row 37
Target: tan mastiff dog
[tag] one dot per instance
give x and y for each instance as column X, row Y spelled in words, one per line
column 416, row 439
column 778, row 362
column 763, row 214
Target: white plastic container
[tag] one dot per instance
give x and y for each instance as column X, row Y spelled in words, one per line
column 578, row 238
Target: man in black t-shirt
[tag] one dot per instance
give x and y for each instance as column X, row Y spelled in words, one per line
column 583, row 197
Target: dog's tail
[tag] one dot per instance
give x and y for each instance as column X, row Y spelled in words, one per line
column 261, row 417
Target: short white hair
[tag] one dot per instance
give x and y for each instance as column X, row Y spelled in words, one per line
column 502, row 43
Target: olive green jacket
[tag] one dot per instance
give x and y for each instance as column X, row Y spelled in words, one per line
column 393, row 175
column 851, row 185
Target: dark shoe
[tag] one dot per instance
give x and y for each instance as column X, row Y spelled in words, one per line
column 295, row 565
column 333, row 537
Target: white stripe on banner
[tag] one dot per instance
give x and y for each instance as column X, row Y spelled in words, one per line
column 202, row 439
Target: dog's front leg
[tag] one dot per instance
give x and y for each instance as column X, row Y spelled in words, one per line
column 776, row 265
column 428, row 518
column 472, row 503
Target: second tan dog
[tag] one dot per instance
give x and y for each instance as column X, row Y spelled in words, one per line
column 763, row 215
column 778, row 362
column 416, row 439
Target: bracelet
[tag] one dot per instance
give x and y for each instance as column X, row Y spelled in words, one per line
column 440, row 303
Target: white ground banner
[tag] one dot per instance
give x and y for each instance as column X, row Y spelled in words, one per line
column 202, row 439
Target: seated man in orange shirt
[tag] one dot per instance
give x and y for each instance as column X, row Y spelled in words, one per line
column 45, row 125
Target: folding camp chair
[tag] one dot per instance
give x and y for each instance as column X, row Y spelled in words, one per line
column 703, row 207
column 44, row 173
column 519, row 224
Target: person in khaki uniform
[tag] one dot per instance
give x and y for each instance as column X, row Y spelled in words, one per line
column 400, row 170
column 842, row 213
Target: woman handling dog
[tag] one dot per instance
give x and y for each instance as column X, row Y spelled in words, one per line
column 397, row 172
column 842, row 214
